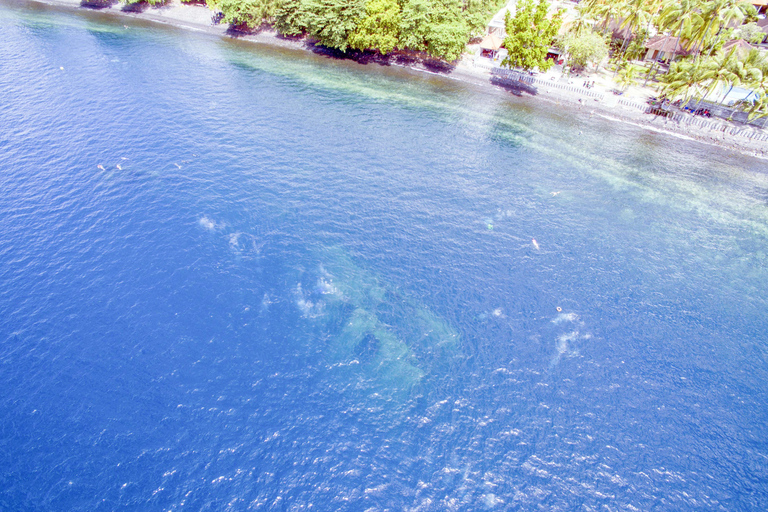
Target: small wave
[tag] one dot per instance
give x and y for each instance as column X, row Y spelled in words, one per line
column 207, row 223
column 565, row 317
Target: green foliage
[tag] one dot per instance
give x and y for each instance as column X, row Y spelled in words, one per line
column 588, row 47
column 750, row 13
column 290, row 18
column 415, row 19
column 627, row 76
column 530, row 34
column 759, row 106
column 478, row 13
column 685, row 80
column 636, row 49
column 699, row 78
column 434, row 27
column 332, row 21
column 251, row 13
column 441, row 28
column 751, row 33
column 153, row 3
column 448, row 33
column 380, row 29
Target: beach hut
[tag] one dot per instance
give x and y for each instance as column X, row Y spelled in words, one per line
column 664, row 48
column 497, row 25
column 760, row 5
column 763, row 24
column 491, row 44
column 741, row 47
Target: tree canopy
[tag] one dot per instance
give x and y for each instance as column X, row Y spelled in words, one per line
column 530, row 34
column 701, row 27
column 585, row 48
column 440, row 28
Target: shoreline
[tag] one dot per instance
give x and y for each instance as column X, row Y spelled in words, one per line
column 198, row 18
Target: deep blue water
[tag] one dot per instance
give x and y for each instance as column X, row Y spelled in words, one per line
column 241, row 278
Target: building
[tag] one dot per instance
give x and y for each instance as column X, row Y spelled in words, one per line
column 664, row 48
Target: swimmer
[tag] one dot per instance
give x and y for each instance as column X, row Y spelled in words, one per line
column 100, row 167
column 555, row 193
column 177, row 165
column 535, row 244
column 119, row 168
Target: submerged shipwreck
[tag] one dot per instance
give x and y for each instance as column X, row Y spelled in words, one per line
column 372, row 330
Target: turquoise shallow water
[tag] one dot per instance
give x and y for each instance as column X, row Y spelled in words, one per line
column 241, row 278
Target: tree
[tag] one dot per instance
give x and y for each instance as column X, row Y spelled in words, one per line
column 636, row 49
column 435, row 27
column 585, row 48
column 290, row 18
column 582, row 21
column 380, row 29
column 719, row 70
column 680, row 16
column 332, row 21
column 760, row 106
column 745, row 71
column 251, row 13
column 715, row 17
column 750, row 32
column 627, row 76
column 154, row 3
column 477, row 13
column 530, row 34
column 610, row 11
column 639, row 13
column 685, row 79
column 448, row 32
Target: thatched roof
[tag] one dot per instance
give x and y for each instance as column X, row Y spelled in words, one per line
column 491, row 42
column 742, row 47
column 665, row 44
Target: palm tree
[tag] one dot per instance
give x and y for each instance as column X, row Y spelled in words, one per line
column 716, row 15
column 685, row 79
column 590, row 7
column 582, row 22
column 627, row 76
column 610, row 11
column 718, row 71
column 760, row 86
column 760, row 83
column 638, row 13
column 680, row 16
column 746, row 71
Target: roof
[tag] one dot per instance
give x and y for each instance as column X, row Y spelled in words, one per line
column 759, row 2
column 491, row 42
column 666, row 44
column 740, row 45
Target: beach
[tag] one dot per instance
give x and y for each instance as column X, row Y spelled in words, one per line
column 470, row 69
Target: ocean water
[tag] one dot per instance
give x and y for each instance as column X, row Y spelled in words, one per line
column 242, row 278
